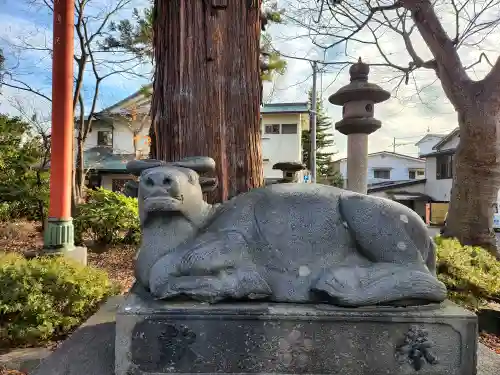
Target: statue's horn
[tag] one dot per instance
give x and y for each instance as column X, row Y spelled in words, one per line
column 199, row 164
column 136, row 167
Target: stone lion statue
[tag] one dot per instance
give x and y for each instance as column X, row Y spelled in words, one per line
column 293, row 242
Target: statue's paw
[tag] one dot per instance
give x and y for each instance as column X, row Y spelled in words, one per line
column 379, row 283
column 229, row 284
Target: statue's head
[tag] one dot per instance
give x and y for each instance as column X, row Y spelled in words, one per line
column 170, row 188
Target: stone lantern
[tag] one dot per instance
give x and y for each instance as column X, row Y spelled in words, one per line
column 290, row 171
column 357, row 100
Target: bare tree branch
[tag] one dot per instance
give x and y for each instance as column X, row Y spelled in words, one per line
column 19, row 85
column 492, row 80
column 450, row 69
column 331, row 24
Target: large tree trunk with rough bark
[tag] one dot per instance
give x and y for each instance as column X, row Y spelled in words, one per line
column 206, row 95
column 476, row 180
column 477, row 160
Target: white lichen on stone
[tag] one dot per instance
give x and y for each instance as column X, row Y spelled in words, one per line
column 401, row 245
column 403, row 218
column 304, row 271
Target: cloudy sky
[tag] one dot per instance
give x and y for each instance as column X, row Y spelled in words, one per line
column 413, row 109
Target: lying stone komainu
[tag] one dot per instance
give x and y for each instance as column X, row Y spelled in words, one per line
column 284, row 243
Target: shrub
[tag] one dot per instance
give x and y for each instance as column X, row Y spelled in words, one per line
column 471, row 274
column 44, row 298
column 108, row 218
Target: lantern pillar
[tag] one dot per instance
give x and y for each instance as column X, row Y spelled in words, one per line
column 357, row 100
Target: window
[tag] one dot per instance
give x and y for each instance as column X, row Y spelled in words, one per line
column 382, row 173
column 117, row 184
column 289, row 129
column 414, row 173
column 105, row 138
column 272, row 129
column 444, row 167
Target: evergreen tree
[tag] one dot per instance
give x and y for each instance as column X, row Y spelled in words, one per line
column 2, row 60
column 20, row 152
column 136, row 36
column 324, row 139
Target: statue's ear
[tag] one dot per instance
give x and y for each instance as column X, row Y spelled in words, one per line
column 199, row 164
column 208, row 184
column 131, row 189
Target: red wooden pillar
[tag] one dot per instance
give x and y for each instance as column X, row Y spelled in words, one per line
column 59, row 235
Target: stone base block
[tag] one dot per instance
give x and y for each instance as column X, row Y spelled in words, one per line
column 154, row 337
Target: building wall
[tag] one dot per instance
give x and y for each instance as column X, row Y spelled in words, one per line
column 275, row 147
column 399, row 167
column 123, row 138
column 281, row 147
column 419, row 206
column 107, row 179
column 425, row 146
column 439, row 190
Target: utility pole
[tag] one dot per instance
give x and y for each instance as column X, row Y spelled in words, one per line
column 394, row 144
column 312, row 123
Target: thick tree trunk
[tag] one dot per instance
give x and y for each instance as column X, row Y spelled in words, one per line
column 206, row 94
column 476, row 179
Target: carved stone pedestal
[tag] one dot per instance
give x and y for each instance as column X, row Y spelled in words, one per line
column 248, row 338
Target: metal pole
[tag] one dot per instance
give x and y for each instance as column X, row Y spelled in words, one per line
column 312, row 123
column 59, row 232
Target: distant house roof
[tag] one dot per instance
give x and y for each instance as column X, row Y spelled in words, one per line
column 449, row 151
column 446, row 138
column 429, row 135
column 388, row 153
column 136, row 96
column 101, row 159
column 285, row 108
column 387, row 185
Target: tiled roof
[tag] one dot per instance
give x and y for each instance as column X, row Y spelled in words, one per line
column 389, row 153
column 101, row 159
column 285, row 108
column 386, row 185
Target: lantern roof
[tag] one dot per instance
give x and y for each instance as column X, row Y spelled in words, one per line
column 359, row 88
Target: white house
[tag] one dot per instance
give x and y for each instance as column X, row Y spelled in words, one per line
column 120, row 133
column 438, row 151
column 282, row 126
column 385, row 166
column 426, row 144
column 439, row 169
column 439, row 166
